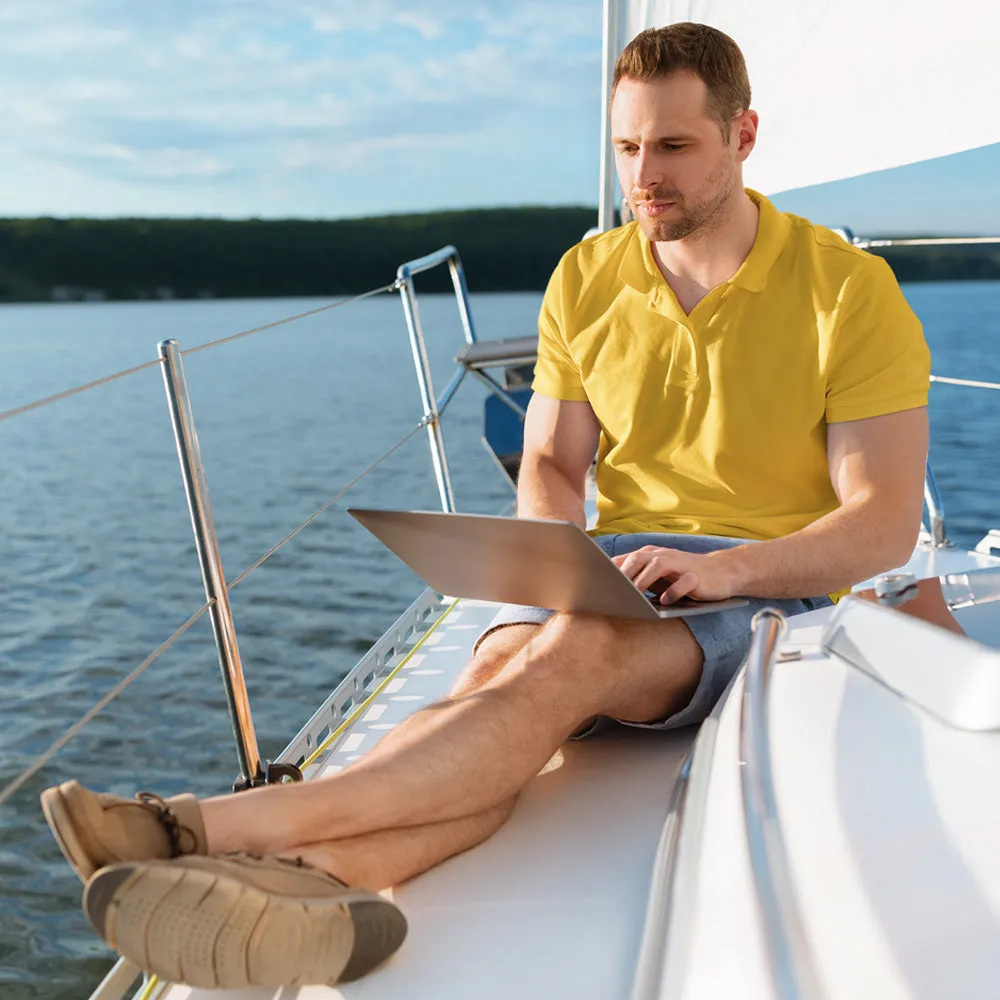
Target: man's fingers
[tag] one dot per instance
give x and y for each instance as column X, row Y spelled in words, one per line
column 632, row 563
column 664, row 570
column 652, row 573
column 685, row 584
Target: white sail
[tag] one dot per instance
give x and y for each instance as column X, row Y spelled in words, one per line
column 845, row 87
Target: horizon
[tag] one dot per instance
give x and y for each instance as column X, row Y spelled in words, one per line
column 286, row 110
column 777, row 199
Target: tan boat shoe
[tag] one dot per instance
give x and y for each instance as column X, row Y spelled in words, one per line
column 226, row 921
column 94, row 829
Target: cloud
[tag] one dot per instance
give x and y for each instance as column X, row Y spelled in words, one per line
column 112, row 90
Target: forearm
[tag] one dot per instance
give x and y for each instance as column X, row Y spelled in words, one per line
column 545, row 492
column 856, row 541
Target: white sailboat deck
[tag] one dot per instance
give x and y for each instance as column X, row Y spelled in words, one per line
column 885, row 811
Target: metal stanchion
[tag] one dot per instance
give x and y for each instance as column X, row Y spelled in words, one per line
column 423, row 368
column 207, row 544
column 462, row 296
column 935, row 510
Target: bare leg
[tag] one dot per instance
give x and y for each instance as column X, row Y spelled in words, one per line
column 388, row 857
column 469, row 753
column 494, row 652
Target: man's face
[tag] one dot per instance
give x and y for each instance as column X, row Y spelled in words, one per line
column 675, row 168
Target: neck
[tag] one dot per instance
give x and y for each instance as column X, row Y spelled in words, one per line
column 715, row 252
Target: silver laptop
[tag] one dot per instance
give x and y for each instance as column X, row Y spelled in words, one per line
column 546, row 564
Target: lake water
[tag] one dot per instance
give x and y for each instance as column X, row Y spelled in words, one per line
column 97, row 563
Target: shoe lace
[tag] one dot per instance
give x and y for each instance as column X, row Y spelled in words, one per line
column 296, row 862
column 168, row 820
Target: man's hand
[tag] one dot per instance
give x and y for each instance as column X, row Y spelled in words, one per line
column 674, row 574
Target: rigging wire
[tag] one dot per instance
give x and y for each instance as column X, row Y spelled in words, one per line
column 965, row 381
column 8, row 790
column 291, row 319
column 39, row 762
column 66, row 393
column 929, row 241
column 312, row 517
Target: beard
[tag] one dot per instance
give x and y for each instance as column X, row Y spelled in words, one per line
column 699, row 213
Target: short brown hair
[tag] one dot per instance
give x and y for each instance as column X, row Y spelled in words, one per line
column 707, row 52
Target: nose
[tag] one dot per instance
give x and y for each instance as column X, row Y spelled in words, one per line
column 647, row 169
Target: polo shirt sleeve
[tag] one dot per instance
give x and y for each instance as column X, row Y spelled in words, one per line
column 880, row 362
column 556, row 373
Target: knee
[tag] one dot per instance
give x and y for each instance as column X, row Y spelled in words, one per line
column 582, row 641
column 593, row 636
column 480, row 670
column 495, row 651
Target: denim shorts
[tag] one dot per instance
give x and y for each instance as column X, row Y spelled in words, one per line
column 724, row 636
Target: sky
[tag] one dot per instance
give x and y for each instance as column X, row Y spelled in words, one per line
column 301, row 108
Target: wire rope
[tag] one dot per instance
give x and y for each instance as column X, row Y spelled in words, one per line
column 150, row 988
column 8, row 790
column 291, row 319
column 39, row 762
column 965, row 381
column 930, row 241
column 312, row 517
column 66, row 393
column 76, row 390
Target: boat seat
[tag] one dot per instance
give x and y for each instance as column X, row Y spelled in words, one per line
column 492, row 353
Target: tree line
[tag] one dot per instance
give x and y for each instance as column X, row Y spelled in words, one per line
column 503, row 249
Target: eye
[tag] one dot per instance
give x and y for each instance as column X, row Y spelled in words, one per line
column 627, row 149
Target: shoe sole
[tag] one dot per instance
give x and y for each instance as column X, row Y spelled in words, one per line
column 57, row 815
column 215, row 931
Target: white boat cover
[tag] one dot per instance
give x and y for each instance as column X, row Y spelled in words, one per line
column 846, row 88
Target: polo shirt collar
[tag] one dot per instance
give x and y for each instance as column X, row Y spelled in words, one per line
column 639, row 270
column 773, row 228
column 637, row 267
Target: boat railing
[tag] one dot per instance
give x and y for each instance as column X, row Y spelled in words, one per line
column 475, row 358
column 385, row 657
column 433, row 407
column 406, row 631
column 253, row 771
column 935, row 510
column 789, row 955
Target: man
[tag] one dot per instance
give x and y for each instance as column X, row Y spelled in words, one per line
column 755, row 391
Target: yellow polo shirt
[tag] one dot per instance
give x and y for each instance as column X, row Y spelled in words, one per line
column 715, row 422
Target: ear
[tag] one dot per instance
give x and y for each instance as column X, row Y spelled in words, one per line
column 745, row 128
